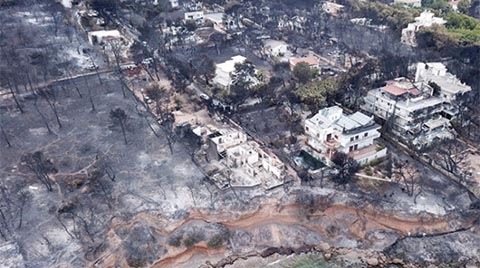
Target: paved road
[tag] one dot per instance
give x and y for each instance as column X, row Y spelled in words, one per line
column 5, row 93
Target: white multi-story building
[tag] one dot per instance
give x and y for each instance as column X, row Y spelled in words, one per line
column 419, row 111
column 426, row 19
column 330, row 130
column 402, row 106
column 451, row 88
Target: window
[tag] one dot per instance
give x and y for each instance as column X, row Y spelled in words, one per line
column 356, row 137
column 355, row 147
column 307, row 128
column 350, row 149
column 351, row 139
column 366, row 134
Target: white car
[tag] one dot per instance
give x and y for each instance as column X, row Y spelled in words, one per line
column 205, row 97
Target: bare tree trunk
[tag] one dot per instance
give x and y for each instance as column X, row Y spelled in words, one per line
column 5, row 136
column 120, row 78
column 54, row 109
column 45, row 120
column 30, row 82
column 65, row 227
column 74, row 84
column 123, row 132
column 15, row 97
column 96, row 69
column 155, row 67
column 91, row 99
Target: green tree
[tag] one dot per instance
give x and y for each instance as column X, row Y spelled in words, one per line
column 464, row 6
column 243, row 80
column 315, row 93
column 303, row 72
column 461, row 21
column 441, row 5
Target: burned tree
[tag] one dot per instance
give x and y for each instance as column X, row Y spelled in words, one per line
column 411, row 178
column 5, row 135
column 119, row 118
column 14, row 95
column 158, row 95
column 50, row 97
column 41, row 167
column 345, row 167
column 203, row 66
column 44, row 118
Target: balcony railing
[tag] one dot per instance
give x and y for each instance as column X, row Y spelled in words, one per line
column 332, row 143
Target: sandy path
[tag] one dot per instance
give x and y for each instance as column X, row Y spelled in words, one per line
column 358, row 221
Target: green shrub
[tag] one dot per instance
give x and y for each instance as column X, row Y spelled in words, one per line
column 175, row 241
column 216, row 241
column 374, row 162
column 136, row 262
column 189, row 242
column 193, row 238
column 368, row 171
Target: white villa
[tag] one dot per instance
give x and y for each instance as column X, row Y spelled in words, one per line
column 330, row 130
column 277, row 49
column 224, row 70
column 426, row 19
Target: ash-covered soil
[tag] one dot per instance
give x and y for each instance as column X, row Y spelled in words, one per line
column 137, row 204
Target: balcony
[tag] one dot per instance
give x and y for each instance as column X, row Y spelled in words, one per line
column 332, row 143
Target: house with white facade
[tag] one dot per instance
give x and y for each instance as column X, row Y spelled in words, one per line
column 418, row 112
column 256, row 163
column 224, row 70
column 451, row 88
column 196, row 16
column 174, row 3
column 277, row 49
column 332, row 8
column 99, row 37
column 426, row 19
column 330, row 131
column 238, row 161
column 223, row 139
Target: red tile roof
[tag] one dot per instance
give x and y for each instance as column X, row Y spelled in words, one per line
column 394, row 90
column 414, row 91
